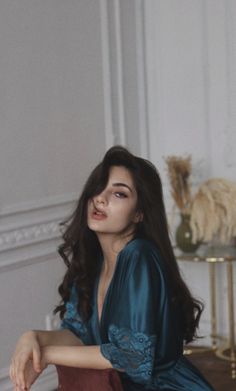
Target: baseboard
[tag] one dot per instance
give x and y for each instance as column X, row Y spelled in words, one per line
column 46, row 382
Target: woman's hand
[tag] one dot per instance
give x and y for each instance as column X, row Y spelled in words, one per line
column 27, row 356
column 30, row 375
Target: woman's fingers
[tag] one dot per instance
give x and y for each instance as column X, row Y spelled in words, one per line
column 30, row 374
column 19, row 370
column 27, row 350
column 37, row 359
column 11, row 372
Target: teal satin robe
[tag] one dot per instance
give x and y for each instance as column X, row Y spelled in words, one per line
column 140, row 328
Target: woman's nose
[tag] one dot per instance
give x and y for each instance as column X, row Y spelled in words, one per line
column 100, row 198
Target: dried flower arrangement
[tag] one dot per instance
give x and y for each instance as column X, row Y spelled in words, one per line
column 213, row 211
column 179, row 170
column 213, row 208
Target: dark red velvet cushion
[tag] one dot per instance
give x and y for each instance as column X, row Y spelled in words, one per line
column 76, row 379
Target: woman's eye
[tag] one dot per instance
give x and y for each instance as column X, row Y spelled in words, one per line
column 119, row 194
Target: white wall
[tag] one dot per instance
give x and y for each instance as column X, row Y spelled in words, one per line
column 51, row 96
column 54, row 128
column 78, row 76
column 191, row 79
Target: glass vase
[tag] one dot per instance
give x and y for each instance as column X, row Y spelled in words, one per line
column 184, row 235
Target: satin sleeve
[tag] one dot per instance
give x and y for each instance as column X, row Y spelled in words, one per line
column 133, row 333
column 72, row 320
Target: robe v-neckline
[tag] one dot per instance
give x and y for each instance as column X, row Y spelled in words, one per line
column 99, row 321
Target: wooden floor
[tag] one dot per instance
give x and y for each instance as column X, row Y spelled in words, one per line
column 215, row 370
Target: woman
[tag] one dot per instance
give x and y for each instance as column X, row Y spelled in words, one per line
column 124, row 304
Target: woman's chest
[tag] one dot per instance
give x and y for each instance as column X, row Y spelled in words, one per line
column 102, row 291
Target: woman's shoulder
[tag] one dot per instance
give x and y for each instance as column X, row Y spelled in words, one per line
column 141, row 251
column 140, row 246
column 141, row 262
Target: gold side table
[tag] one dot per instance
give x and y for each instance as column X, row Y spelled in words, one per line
column 226, row 349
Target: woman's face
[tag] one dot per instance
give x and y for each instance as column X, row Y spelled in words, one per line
column 114, row 210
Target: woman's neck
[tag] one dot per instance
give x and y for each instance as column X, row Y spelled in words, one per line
column 111, row 246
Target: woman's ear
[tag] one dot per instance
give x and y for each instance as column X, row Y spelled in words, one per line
column 138, row 217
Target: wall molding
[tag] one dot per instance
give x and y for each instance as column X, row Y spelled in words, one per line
column 115, row 132
column 153, row 72
column 230, row 16
column 114, row 72
column 43, row 203
column 142, row 78
column 220, row 44
column 206, row 76
column 30, row 232
column 106, row 66
column 118, row 91
column 24, row 236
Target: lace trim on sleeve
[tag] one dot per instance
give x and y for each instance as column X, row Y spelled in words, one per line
column 72, row 319
column 131, row 351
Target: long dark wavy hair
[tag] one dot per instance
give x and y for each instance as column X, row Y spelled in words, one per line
column 81, row 248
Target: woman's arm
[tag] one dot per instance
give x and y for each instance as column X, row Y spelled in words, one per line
column 88, row 357
column 75, row 356
column 29, row 349
column 62, row 337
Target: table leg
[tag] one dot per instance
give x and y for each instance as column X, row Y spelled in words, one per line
column 231, row 318
column 212, row 275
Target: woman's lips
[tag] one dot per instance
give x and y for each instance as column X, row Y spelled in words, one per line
column 98, row 215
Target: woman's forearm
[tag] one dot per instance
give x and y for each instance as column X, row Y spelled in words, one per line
column 76, row 356
column 57, row 338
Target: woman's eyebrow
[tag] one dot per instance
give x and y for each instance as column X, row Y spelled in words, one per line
column 123, row 185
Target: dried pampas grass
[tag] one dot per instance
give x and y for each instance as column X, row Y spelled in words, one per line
column 179, row 170
column 213, row 211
